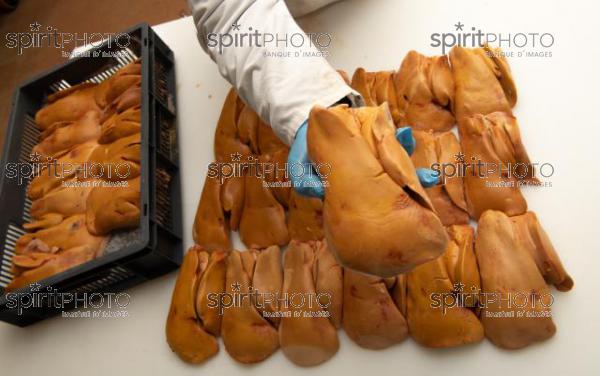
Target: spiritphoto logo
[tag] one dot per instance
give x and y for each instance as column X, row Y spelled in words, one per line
column 50, row 37
column 39, row 165
column 284, row 304
column 513, row 44
column 475, row 167
column 96, row 304
column 274, row 174
column 273, row 44
column 505, row 304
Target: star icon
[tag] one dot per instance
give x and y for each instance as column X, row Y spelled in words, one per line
column 35, row 157
column 35, row 287
column 459, row 286
column 236, row 157
column 460, row 157
column 35, row 26
column 459, row 26
column 236, row 26
column 236, row 287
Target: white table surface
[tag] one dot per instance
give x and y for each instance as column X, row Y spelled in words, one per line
column 558, row 113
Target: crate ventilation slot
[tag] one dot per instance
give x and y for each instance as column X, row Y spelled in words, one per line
column 115, row 275
column 13, row 233
column 161, row 88
column 30, row 138
column 28, row 141
column 27, row 209
column 60, row 85
column 124, row 57
column 163, row 198
column 168, row 138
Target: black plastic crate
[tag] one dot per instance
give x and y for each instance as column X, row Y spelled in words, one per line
column 156, row 246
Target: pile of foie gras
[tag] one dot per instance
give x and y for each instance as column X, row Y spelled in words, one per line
column 382, row 257
column 88, row 186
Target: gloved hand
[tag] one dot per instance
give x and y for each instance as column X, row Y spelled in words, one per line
column 306, row 180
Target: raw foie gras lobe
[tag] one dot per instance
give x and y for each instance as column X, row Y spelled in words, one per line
column 461, row 262
column 431, row 326
column 385, row 92
column 448, row 197
column 306, row 341
column 68, row 105
column 62, row 136
column 211, row 229
column 232, row 199
column 504, row 132
column 71, row 232
column 274, row 176
column 185, row 334
column 506, row 267
column 541, row 249
column 363, row 82
column 385, row 225
column 371, row 318
column 109, row 209
column 263, row 218
column 482, row 141
column 212, row 282
column 268, row 142
column 111, row 92
column 329, row 279
column 377, row 88
column 230, row 143
column 50, row 265
column 448, row 149
column 268, row 279
column 113, row 157
column 248, row 337
column 227, row 142
column 344, row 76
column 478, row 79
column 65, row 201
column 247, row 127
column 123, row 90
column 305, row 217
column 47, row 181
column 229, row 148
column 502, row 71
column 425, row 92
column 121, row 125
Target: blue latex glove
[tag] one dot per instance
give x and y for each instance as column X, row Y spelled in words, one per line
column 306, row 181
column 300, row 169
column 427, row 177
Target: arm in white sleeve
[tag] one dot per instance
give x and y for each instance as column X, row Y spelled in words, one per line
column 282, row 90
column 299, row 8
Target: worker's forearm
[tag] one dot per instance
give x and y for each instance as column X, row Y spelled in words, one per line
column 282, row 90
column 216, row 17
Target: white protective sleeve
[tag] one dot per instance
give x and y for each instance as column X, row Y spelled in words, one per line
column 282, row 90
column 299, row 8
